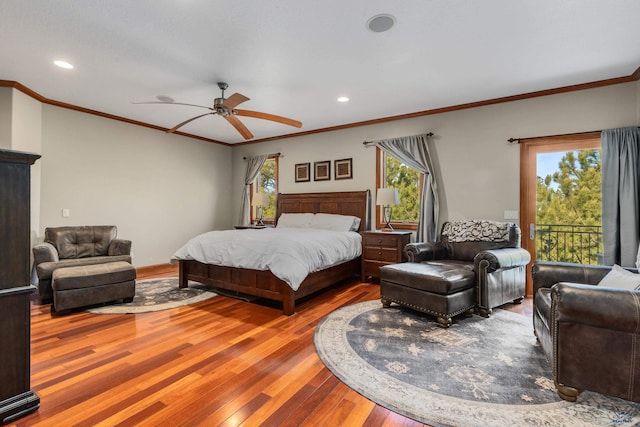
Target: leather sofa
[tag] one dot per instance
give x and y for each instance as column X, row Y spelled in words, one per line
column 588, row 333
column 65, row 247
column 454, row 275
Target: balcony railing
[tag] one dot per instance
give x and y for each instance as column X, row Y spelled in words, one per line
column 581, row 244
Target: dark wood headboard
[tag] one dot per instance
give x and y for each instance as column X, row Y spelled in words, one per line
column 354, row 203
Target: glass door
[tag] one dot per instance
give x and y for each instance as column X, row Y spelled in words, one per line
column 560, row 199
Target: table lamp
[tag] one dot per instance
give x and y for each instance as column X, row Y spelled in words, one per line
column 385, row 198
column 260, row 200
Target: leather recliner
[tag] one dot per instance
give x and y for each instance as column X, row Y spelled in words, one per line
column 589, row 334
column 453, row 276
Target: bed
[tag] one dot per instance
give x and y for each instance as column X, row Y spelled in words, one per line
column 263, row 283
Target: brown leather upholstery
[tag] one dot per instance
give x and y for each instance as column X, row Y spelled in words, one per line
column 442, row 277
column 448, row 278
column 92, row 284
column 499, row 266
column 588, row 333
column 442, row 290
column 81, row 242
column 75, row 246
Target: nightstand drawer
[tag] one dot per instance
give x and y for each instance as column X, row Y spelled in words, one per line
column 382, row 248
column 380, row 239
column 380, row 254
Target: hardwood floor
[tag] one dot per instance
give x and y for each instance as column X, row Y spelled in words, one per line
column 221, row 362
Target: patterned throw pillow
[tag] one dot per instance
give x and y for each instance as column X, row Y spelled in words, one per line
column 476, row 230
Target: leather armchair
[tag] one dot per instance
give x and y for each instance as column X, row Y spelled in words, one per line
column 76, row 246
column 589, row 334
column 499, row 266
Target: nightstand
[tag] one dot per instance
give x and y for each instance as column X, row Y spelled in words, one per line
column 382, row 248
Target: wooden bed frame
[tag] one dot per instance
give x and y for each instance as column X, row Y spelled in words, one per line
column 264, row 284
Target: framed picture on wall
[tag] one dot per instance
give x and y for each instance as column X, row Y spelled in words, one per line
column 342, row 169
column 302, row 172
column 322, row 170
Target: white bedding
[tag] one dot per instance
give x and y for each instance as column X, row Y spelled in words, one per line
column 290, row 253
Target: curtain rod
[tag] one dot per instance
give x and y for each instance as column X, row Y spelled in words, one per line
column 430, row 134
column 517, row 140
column 268, row 155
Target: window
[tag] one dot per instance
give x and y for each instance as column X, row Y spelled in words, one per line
column 392, row 172
column 266, row 182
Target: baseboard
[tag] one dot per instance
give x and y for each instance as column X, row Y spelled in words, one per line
column 157, row 270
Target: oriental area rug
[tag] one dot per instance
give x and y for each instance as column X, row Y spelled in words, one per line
column 157, row 295
column 479, row 372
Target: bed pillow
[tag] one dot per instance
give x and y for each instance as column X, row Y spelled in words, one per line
column 620, row 278
column 295, row 220
column 335, row 222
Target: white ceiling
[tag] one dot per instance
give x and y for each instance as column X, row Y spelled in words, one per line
column 295, row 57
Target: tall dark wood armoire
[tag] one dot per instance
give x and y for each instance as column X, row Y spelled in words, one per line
column 16, row 398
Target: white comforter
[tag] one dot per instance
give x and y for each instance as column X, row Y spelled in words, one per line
column 290, row 253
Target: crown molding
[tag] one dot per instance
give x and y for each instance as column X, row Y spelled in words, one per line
column 572, row 88
column 22, row 88
column 635, row 76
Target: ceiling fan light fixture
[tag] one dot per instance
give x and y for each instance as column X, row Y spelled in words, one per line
column 381, row 23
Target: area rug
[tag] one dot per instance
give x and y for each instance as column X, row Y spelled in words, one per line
column 479, row 372
column 157, row 295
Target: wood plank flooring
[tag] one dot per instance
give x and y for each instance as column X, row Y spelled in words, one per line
column 221, row 362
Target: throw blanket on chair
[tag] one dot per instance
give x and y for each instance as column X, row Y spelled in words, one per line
column 476, row 230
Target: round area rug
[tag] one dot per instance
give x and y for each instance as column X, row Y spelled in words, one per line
column 156, row 295
column 479, row 372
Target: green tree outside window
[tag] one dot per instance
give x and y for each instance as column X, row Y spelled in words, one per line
column 267, row 182
column 569, row 210
column 407, row 181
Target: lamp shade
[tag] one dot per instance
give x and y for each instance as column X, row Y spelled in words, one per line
column 387, row 196
column 260, row 199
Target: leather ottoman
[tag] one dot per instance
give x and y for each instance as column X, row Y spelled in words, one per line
column 92, row 284
column 442, row 289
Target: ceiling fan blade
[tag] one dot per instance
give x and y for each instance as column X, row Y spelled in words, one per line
column 272, row 117
column 240, row 127
column 173, row 103
column 235, row 99
column 176, row 127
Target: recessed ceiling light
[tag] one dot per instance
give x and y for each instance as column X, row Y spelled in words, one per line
column 343, row 99
column 381, row 23
column 63, row 64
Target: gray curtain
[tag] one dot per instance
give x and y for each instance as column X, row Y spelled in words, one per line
column 413, row 151
column 620, row 195
column 254, row 164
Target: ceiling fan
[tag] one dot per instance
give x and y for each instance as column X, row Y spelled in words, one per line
column 226, row 107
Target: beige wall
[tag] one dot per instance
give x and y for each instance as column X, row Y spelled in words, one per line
column 159, row 189
column 20, row 130
column 6, row 97
column 479, row 170
column 20, row 118
column 26, row 136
